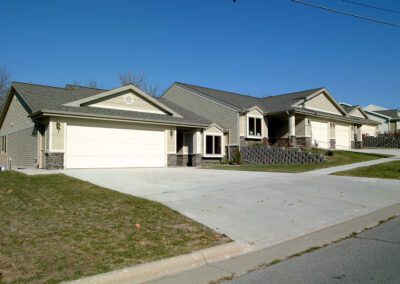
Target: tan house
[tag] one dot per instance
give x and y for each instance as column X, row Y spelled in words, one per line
column 370, row 127
column 388, row 119
column 308, row 118
column 78, row 127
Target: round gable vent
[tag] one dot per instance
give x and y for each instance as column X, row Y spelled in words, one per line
column 128, row 99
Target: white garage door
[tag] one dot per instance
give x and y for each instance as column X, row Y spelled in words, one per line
column 342, row 134
column 108, row 147
column 319, row 134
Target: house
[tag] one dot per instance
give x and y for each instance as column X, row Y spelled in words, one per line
column 307, row 118
column 78, row 127
column 370, row 128
column 388, row 119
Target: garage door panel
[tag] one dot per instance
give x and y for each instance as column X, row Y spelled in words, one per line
column 106, row 147
column 342, row 134
column 319, row 134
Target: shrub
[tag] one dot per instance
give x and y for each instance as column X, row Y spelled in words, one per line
column 237, row 158
column 329, row 153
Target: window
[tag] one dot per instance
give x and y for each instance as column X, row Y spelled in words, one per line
column 213, row 145
column 3, row 143
column 254, row 126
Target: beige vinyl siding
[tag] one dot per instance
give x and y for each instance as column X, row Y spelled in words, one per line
column 118, row 102
column 393, row 126
column 57, row 136
column 332, row 131
column 171, row 140
column 321, row 103
column 22, row 148
column 301, row 127
column 16, row 115
column 221, row 115
column 369, row 130
column 242, row 125
column 357, row 113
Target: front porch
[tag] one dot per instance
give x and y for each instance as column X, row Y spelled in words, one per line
column 297, row 130
column 193, row 146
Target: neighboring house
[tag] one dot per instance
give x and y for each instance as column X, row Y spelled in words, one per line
column 78, row 127
column 308, row 118
column 388, row 119
column 370, row 128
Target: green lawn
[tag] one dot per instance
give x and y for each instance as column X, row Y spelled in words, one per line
column 386, row 170
column 339, row 158
column 55, row 228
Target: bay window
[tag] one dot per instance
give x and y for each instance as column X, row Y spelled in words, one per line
column 254, row 128
column 213, row 144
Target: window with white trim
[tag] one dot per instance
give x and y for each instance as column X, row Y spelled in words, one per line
column 3, row 142
column 213, row 144
column 255, row 128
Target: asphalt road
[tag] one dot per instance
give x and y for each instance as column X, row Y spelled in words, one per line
column 372, row 256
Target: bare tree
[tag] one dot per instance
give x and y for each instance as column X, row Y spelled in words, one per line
column 139, row 81
column 92, row 84
column 5, row 77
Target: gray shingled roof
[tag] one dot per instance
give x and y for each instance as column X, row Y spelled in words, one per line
column 285, row 102
column 278, row 103
column 392, row 113
column 1, row 102
column 52, row 99
column 348, row 108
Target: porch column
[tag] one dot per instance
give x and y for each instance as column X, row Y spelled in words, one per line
column 292, row 129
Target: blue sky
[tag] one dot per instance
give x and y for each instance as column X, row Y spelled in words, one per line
column 261, row 48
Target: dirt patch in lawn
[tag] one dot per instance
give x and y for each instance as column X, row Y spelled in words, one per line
column 55, row 228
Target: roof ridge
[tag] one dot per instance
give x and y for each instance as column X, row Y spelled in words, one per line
column 40, row 85
column 294, row 92
column 85, row 87
column 218, row 90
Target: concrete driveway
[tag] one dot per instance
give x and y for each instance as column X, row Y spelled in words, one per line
column 252, row 207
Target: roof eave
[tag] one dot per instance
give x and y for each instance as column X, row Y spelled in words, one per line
column 43, row 113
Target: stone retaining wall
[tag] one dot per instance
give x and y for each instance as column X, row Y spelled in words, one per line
column 271, row 155
column 54, row 161
column 382, row 141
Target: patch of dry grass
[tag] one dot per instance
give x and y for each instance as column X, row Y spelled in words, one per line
column 55, row 228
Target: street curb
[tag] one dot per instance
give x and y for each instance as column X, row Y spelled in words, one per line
column 152, row 270
column 234, row 258
column 242, row 264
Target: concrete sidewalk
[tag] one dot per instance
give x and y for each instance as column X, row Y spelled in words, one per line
column 331, row 170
